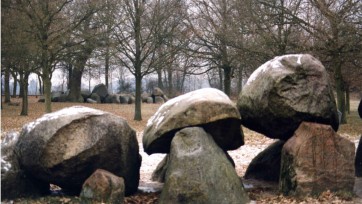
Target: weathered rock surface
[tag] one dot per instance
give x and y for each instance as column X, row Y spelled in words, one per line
column 157, row 92
column 209, row 108
column 158, row 96
column 95, row 97
column 149, row 100
column 358, row 160
column 112, row 98
column 58, row 96
column 159, row 100
column 160, row 172
column 285, row 91
column 101, row 90
column 85, row 94
column 67, row 146
column 266, row 165
column 103, row 187
column 199, row 172
column 145, row 96
column 14, row 182
column 89, row 100
column 316, row 159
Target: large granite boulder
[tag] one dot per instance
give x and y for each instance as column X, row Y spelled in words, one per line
column 14, row 181
column 101, row 90
column 208, row 108
column 199, row 172
column 103, row 187
column 285, row 91
column 266, row 165
column 67, row 146
column 316, row 159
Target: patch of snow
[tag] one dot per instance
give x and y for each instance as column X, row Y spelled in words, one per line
column 5, row 165
column 10, row 138
column 70, row 111
column 299, row 58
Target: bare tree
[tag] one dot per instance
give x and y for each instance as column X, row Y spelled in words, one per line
column 334, row 29
column 50, row 22
column 138, row 38
column 19, row 50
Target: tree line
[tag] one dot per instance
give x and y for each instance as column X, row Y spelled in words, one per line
column 223, row 39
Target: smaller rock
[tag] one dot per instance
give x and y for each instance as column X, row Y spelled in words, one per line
column 85, row 94
column 89, row 100
column 15, row 183
column 112, row 98
column 266, row 165
column 160, row 171
column 131, row 100
column 124, row 99
column 101, row 90
column 144, row 97
column 157, row 92
column 149, row 100
column 316, row 159
column 103, row 187
column 55, row 95
column 159, row 100
column 95, row 97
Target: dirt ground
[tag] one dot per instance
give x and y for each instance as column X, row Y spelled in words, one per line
column 148, row 190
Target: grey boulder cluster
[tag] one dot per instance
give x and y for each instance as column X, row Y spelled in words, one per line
column 100, row 94
column 290, row 98
column 65, row 148
column 196, row 129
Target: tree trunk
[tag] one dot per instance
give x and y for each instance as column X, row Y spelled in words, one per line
column 15, row 85
column 159, row 78
column 240, row 80
column 25, row 104
column 170, row 82
column 221, row 79
column 227, row 79
column 47, row 92
column 348, row 105
column 75, row 86
column 138, row 112
column 341, row 99
column 137, row 61
column 106, row 67
column 70, row 73
column 7, row 86
column 21, row 85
